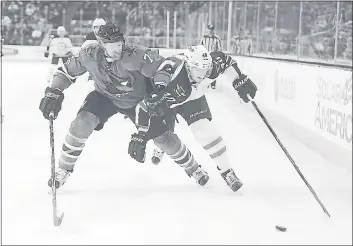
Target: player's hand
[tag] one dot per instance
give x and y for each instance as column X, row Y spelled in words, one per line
column 137, row 146
column 243, row 85
column 156, row 104
column 46, row 54
column 51, row 101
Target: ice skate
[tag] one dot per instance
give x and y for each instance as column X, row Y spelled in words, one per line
column 157, row 156
column 200, row 175
column 232, row 180
column 61, row 175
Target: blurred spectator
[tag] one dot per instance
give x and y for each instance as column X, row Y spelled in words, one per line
column 30, row 22
column 235, row 44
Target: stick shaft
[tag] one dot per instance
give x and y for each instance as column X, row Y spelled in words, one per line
column 289, row 156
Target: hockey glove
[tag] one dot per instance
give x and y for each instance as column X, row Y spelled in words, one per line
column 46, row 54
column 137, row 146
column 243, row 85
column 156, row 104
column 51, row 102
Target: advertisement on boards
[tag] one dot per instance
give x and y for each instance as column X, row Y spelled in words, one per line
column 284, row 88
column 333, row 115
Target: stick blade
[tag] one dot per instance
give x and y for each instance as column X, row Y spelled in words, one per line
column 58, row 220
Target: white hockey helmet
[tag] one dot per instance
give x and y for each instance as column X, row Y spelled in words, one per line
column 98, row 22
column 61, row 31
column 198, row 61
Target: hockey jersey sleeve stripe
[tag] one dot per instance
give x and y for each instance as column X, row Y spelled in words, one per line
column 63, row 70
column 162, row 78
column 230, row 62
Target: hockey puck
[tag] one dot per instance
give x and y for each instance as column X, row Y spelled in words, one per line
column 281, row 228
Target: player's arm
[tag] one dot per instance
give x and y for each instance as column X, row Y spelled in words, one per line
column 46, row 53
column 166, row 71
column 224, row 66
column 62, row 79
column 67, row 74
column 227, row 70
column 202, row 40
column 156, row 102
column 151, row 61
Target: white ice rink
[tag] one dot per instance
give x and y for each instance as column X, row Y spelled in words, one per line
column 111, row 199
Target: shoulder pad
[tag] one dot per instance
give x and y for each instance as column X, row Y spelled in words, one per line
column 90, row 51
column 215, row 54
column 132, row 49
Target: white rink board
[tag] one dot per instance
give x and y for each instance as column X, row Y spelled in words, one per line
column 316, row 98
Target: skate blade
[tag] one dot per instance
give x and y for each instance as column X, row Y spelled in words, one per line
column 58, row 220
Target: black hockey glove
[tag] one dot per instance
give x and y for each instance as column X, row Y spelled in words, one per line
column 51, row 102
column 157, row 104
column 46, row 54
column 243, row 85
column 137, row 146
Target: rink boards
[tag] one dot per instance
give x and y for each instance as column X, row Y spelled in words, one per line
column 312, row 102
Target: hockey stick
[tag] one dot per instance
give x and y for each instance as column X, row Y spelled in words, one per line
column 57, row 220
column 288, row 155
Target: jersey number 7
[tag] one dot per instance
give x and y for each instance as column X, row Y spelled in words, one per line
column 145, row 57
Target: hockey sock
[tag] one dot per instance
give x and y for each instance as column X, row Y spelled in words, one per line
column 172, row 146
column 185, row 159
column 212, row 142
column 71, row 150
column 81, row 128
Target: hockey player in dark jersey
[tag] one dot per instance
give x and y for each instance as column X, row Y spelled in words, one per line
column 186, row 77
column 122, row 74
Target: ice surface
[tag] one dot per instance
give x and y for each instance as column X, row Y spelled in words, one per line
column 111, row 199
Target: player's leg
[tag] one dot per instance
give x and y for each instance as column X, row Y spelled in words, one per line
column 52, row 67
column 171, row 144
column 161, row 131
column 162, row 134
column 198, row 116
column 93, row 114
column 213, row 85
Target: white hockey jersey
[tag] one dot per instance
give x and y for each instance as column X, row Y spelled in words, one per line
column 60, row 47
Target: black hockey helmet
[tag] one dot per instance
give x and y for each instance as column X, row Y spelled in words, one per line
column 110, row 33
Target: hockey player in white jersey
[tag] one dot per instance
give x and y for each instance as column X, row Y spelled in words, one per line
column 185, row 75
column 59, row 47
